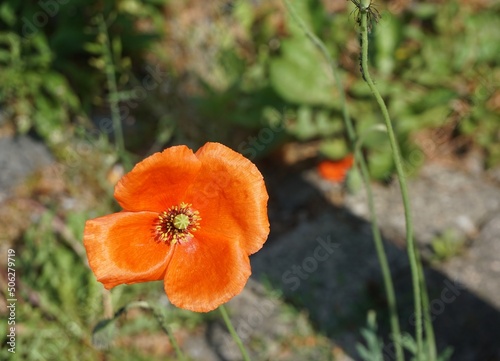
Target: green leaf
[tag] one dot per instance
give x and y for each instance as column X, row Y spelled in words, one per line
column 435, row 98
column 7, row 14
column 116, row 46
column 301, row 75
column 103, row 334
column 334, row 149
column 425, row 11
column 243, row 12
column 56, row 85
column 432, row 118
column 373, row 349
column 354, row 181
column 93, row 48
column 380, row 164
column 304, row 128
column 328, row 125
column 387, row 37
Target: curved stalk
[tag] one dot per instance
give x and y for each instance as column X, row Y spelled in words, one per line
column 109, row 70
column 410, row 242
column 360, row 161
column 233, row 333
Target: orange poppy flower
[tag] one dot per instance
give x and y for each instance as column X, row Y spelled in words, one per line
column 336, row 171
column 189, row 219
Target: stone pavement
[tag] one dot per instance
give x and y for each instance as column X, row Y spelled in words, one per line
column 325, row 262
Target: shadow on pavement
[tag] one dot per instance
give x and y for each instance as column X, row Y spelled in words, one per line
column 323, row 259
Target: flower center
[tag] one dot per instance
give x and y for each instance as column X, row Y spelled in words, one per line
column 176, row 224
column 181, row 221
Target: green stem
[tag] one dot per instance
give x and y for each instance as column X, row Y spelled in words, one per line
column 360, row 161
column 382, row 257
column 429, row 330
column 109, row 69
column 233, row 333
column 171, row 337
column 411, row 248
column 161, row 322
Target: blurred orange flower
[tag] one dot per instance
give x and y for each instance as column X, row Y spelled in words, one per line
column 189, row 219
column 336, row 171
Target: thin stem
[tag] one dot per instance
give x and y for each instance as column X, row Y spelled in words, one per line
column 161, row 322
column 411, row 248
column 160, row 319
column 384, row 264
column 429, row 330
column 233, row 333
column 360, row 161
column 107, row 303
column 109, row 69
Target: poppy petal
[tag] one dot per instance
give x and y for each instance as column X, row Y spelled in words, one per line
column 121, row 249
column 159, row 181
column 206, row 272
column 231, row 196
column 336, row 171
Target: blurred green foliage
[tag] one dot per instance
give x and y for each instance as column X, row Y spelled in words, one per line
column 447, row 245
column 374, row 349
column 431, row 79
column 435, row 63
column 50, row 80
column 34, row 94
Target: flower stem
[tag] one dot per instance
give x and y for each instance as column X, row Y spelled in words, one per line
column 233, row 333
column 360, row 161
column 171, row 337
column 109, row 69
column 411, row 247
column 161, row 322
column 382, row 257
column 429, row 331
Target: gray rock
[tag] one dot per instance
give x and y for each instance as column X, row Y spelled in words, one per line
column 479, row 267
column 19, row 157
column 441, row 199
column 328, row 265
column 337, row 291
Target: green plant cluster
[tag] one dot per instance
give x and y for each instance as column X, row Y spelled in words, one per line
column 436, row 65
column 441, row 63
column 51, row 78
